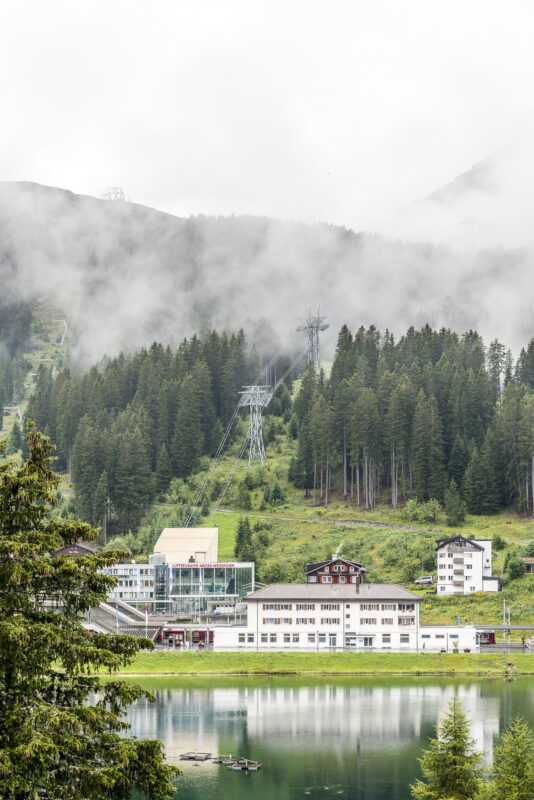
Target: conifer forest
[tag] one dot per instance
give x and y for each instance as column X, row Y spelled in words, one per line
column 432, row 416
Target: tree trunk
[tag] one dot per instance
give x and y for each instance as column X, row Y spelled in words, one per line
column 344, row 464
column 314, row 480
column 351, row 482
column 532, row 481
column 366, row 480
column 327, row 480
column 358, row 481
column 321, row 485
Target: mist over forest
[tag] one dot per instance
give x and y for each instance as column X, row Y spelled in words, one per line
column 126, row 275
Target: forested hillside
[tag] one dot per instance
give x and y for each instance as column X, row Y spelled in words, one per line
column 434, row 416
column 128, row 426
column 432, row 413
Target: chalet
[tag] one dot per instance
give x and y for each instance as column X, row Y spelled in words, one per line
column 528, row 561
column 337, row 570
column 464, row 566
column 73, row 550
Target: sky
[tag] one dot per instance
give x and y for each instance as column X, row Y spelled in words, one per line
column 339, row 112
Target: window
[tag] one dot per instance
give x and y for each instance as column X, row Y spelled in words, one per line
column 312, row 578
column 330, row 621
column 311, row 638
column 287, row 638
column 305, row 606
column 305, row 621
column 387, row 621
column 367, row 641
column 342, row 579
column 277, row 606
column 250, row 638
column 405, row 638
column 264, row 638
column 386, row 638
column 472, row 588
column 425, row 636
column 241, row 638
column 406, row 621
column 406, row 606
column 442, row 588
column 442, row 555
column 368, row 621
column 268, row 621
column 272, row 638
column 351, row 569
column 322, row 638
column 450, row 555
column 347, row 605
column 296, row 638
column 469, row 566
column 453, row 635
column 369, row 607
column 329, row 606
column 440, row 635
column 388, row 607
column 347, row 616
column 326, row 579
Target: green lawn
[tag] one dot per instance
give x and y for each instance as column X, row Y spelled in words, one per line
column 170, row 663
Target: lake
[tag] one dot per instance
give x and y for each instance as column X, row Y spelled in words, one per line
column 316, row 738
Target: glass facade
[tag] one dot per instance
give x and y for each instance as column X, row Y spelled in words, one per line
column 193, row 588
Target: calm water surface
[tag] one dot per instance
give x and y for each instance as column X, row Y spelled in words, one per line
column 325, row 738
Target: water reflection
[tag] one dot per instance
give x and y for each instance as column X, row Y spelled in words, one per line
column 361, row 739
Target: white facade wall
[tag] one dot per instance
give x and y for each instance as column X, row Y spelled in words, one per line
column 325, row 625
column 430, row 638
column 462, row 569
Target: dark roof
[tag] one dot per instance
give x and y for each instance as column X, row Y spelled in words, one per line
column 457, row 538
column 332, row 591
column 73, row 550
column 319, row 564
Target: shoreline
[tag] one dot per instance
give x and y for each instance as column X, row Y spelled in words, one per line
column 238, row 664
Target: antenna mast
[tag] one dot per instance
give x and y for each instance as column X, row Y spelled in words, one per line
column 312, row 325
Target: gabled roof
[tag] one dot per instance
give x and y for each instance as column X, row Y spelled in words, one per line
column 332, row 592
column 457, row 538
column 319, row 564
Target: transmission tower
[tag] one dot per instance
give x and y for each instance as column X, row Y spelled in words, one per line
column 313, row 324
column 256, row 398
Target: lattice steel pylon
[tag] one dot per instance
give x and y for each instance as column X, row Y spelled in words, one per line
column 313, row 324
column 256, row 398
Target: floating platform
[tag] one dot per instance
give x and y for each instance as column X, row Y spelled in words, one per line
column 245, row 765
column 195, row 756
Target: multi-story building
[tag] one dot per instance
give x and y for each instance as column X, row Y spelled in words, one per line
column 181, row 577
column 317, row 616
column 337, row 570
column 464, row 566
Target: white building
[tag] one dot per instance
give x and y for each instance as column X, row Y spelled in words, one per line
column 313, row 616
column 464, row 566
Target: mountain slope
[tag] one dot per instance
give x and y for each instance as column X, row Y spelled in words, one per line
column 127, row 274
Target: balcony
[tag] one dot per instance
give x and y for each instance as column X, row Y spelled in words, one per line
column 458, row 571
column 457, row 561
column 457, row 583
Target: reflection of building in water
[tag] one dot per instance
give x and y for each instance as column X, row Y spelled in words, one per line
column 369, row 717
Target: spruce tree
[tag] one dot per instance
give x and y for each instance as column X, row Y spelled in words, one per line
column 163, row 469
column 14, row 443
column 513, row 765
column 56, row 741
column 451, row 767
column 474, row 488
column 454, row 507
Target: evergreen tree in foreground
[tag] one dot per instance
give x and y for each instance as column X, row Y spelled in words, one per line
column 452, row 769
column 53, row 743
column 513, row 765
column 454, row 507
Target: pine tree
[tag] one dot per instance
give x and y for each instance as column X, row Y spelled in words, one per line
column 429, row 474
column 513, row 765
column 451, row 767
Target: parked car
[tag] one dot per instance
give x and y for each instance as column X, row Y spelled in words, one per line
column 424, row 580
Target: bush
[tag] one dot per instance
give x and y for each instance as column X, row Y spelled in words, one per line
column 422, row 512
column 498, row 543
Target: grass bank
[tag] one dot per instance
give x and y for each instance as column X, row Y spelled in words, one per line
column 198, row 664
